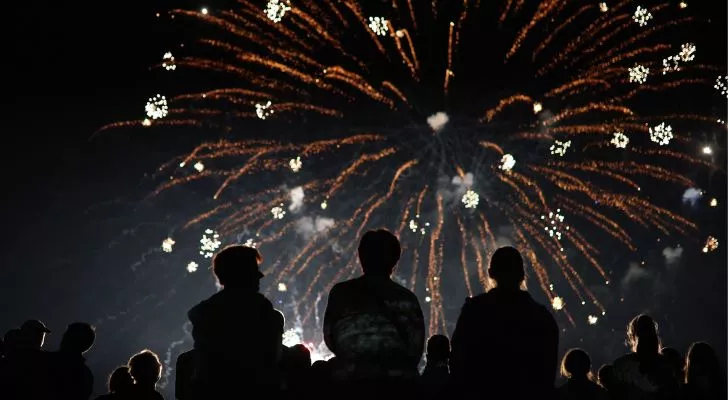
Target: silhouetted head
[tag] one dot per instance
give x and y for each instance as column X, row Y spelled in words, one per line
column 438, row 348
column 506, row 268
column 12, row 342
column 576, row 364
column 675, row 359
column 642, row 335
column 78, row 338
column 379, row 252
column 34, row 333
column 701, row 361
column 145, row 368
column 606, row 376
column 120, row 381
column 237, row 266
column 297, row 358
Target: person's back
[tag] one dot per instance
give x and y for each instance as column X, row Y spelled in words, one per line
column 120, row 385
column 576, row 367
column 504, row 341
column 435, row 378
column 70, row 378
column 704, row 378
column 146, row 369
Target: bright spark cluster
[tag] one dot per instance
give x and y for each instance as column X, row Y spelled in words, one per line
column 507, row 162
column 168, row 62
column 554, row 224
column 282, row 287
column 167, row 245
column 711, row 244
column 250, row 243
column 292, row 337
column 378, row 25
column 263, row 111
column 603, row 7
column 638, row 74
column 620, row 140
column 470, row 199
column 278, row 212
column 324, row 205
column 661, row 134
column 714, row 202
column 156, row 107
column 192, row 267
column 559, row 148
column 642, row 16
column 275, row 10
column 592, row 319
column 414, row 226
column 670, row 64
column 199, row 166
column 687, row 52
column 537, row 107
column 209, row 243
column 557, row 303
column 295, row 164
column 721, row 84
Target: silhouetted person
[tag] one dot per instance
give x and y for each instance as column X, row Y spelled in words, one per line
column 505, row 344
column 704, row 378
column 237, row 332
column 644, row 373
column 435, row 379
column 576, row 367
column 605, row 377
column 69, row 377
column 146, row 369
column 34, row 334
column 13, row 368
column 184, row 383
column 676, row 362
column 373, row 325
column 120, row 385
column 296, row 362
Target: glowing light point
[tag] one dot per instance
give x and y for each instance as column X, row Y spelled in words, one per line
column 603, row 7
column 209, row 242
column 687, row 52
column 711, row 244
column 199, row 166
column 204, row 11
column 413, row 225
column 400, row 33
column 275, row 10
column 168, row 62
column 714, row 202
column 671, row 64
column 379, row 25
column 721, row 85
column 683, row 5
column 537, row 107
column 146, row 122
column 278, row 212
column 583, row 303
column 592, row 319
column 282, row 287
column 471, row 199
column 156, row 107
column 428, row 299
column 557, row 303
column 638, row 74
column 507, row 162
column 263, row 111
column 559, row 148
column 192, row 267
column 295, row 164
column 167, row 245
column 661, row 134
column 707, row 150
column 250, row 243
column 642, row 16
column 620, row 140
column 554, row 224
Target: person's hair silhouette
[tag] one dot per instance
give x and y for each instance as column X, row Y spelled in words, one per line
column 379, row 252
column 34, row 333
column 643, row 336
column 146, row 368
column 237, row 266
column 438, row 349
column 120, row 381
column 701, row 361
column 78, row 338
column 576, row 364
column 506, row 268
column 605, row 376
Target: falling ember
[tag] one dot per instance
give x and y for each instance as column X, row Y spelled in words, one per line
column 379, row 25
column 537, row 107
column 295, row 164
column 557, row 303
column 592, row 319
column 156, row 107
column 470, row 199
column 683, row 4
column 428, row 299
column 275, row 10
column 324, row 205
column 639, row 74
column 710, row 245
column 707, row 150
column 620, row 140
column 714, row 202
column 507, row 162
column 554, row 224
column 661, row 134
column 263, row 111
column 146, row 122
column 209, row 243
column 204, row 11
column 641, row 16
column 559, row 148
column 168, row 62
column 278, row 212
column 167, row 245
column 199, row 166
column 192, row 267
column 603, row 7
column 282, row 287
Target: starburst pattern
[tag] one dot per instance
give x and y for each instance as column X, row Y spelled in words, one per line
column 537, row 107
column 661, row 134
column 559, row 148
column 167, row 245
column 275, row 10
column 592, row 319
column 470, row 199
column 278, row 212
column 711, row 244
column 642, row 16
column 554, row 224
column 379, row 25
column 639, row 74
column 192, row 267
column 620, row 140
column 209, row 243
column 670, row 64
column 687, row 52
column 156, row 107
column 557, row 303
column 295, row 164
column 507, row 162
column 168, row 62
column 721, row 85
column 603, row 7
column 199, row 166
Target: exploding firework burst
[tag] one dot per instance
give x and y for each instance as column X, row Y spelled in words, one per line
column 156, row 107
column 168, row 62
column 329, row 64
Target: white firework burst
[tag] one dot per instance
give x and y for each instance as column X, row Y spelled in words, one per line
column 379, row 25
column 638, row 74
column 603, row 7
column 263, row 111
column 278, row 212
column 168, row 62
column 711, row 244
column 295, row 164
column 537, row 107
column 687, row 52
column 620, row 140
column 250, row 243
column 209, row 243
column 661, row 134
column 324, row 205
column 199, row 166
column 557, row 303
column 167, row 245
column 671, row 64
column 642, row 16
column 592, row 319
column 507, row 162
column 554, row 224
column 146, row 122
column 275, row 10
column 282, row 287
column 721, row 84
column 156, row 107
column 192, row 267
column 471, row 199
column 559, row 148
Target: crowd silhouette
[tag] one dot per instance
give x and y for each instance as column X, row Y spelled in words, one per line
column 504, row 346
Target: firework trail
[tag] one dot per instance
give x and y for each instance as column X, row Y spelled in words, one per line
column 450, row 120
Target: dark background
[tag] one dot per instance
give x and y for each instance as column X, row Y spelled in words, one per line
column 76, row 66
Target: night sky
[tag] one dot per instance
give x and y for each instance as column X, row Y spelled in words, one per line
column 67, row 238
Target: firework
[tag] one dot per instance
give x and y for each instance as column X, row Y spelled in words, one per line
column 278, row 212
column 707, row 150
column 670, row 64
column 711, row 244
column 146, row 122
column 209, row 243
column 167, row 245
column 156, row 107
column 168, row 62
column 192, row 267
column 199, row 166
column 282, row 287
column 557, row 303
column 592, row 319
column 714, row 202
column 250, row 243
column 721, row 85
column 368, row 88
